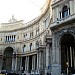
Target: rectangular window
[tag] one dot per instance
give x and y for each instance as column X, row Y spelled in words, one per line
column 14, row 38
column 60, row 14
column 6, row 38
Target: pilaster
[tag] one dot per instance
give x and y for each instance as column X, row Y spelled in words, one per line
column 71, row 7
column 48, row 53
column 56, row 67
column 42, row 60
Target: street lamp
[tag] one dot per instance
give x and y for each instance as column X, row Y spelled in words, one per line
column 67, row 67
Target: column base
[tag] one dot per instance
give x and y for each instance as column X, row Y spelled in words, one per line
column 47, row 70
column 33, row 72
column 56, row 69
column 37, row 72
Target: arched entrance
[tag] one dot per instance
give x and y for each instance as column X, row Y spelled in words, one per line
column 7, row 59
column 67, row 53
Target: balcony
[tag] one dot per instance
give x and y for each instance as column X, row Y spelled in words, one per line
column 69, row 19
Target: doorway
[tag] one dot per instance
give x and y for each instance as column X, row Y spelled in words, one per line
column 67, row 53
column 7, row 59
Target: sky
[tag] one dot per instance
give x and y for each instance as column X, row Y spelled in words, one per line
column 21, row 9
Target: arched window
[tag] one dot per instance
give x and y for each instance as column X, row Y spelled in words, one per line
column 30, row 46
column 24, row 48
column 65, row 12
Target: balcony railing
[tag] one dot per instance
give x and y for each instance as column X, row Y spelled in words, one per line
column 63, row 20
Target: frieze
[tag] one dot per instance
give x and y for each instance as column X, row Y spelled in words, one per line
column 70, row 30
column 57, row 35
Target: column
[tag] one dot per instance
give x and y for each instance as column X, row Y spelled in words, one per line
column 67, row 57
column 9, row 38
column 47, row 59
column 37, row 60
column 71, row 55
column 16, row 63
column 42, row 60
column 13, row 63
column 32, row 62
column 74, row 57
column 47, row 55
column 20, row 65
column 68, row 11
column 27, row 63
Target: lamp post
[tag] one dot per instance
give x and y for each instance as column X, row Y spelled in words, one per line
column 67, row 67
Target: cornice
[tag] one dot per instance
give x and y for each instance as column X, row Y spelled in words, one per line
column 55, row 4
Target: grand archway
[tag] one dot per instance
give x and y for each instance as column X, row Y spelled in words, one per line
column 7, row 59
column 67, row 53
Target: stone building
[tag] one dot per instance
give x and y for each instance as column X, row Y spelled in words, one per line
column 44, row 45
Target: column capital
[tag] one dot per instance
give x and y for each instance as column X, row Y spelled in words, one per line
column 48, row 39
column 41, row 48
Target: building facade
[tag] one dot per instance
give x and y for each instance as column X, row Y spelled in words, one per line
column 45, row 45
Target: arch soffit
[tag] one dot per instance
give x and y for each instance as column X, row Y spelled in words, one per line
column 9, row 47
column 61, row 6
